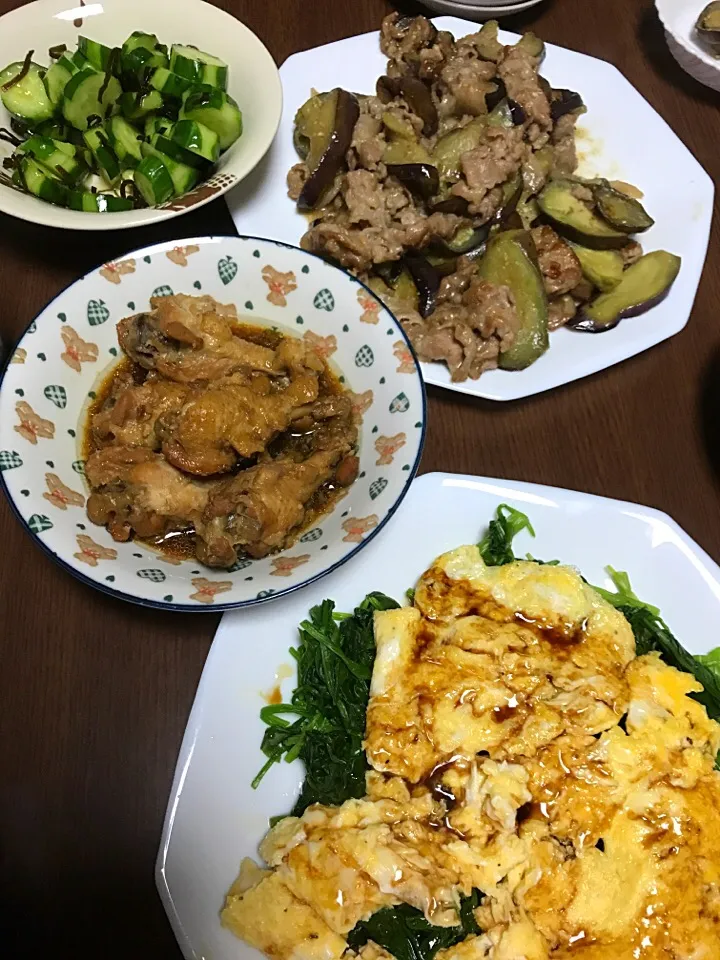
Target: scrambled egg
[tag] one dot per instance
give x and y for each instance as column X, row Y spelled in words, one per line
column 519, row 747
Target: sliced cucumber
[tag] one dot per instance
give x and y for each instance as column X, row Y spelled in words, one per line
column 142, row 60
column 197, row 139
column 184, row 177
column 55, row 129
column 97, row 53
column 140, row 40
column 155, row 125
column 168, row 83
column 173, row 150
column 102, row 150
column 57, row 77
column 59, row 159
column 136, row 106
column 90, row 202
column 26, row 99
column 125, row 141
column 41, row 184
column 154, row 181
column 200, row 67
column 215, row 110
column 81, row 100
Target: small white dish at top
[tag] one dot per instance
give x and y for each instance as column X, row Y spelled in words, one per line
column 214, row 818
column 678, row 17
column 609, row 145
column 253, row 82
column 480, row 11
column 71, row 347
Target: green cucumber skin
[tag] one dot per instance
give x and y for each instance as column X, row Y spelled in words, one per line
column 154, row 181
column 28, row 99
column 217, row 111
column 81, row 102
column 40, row 184
column 198, row 66
column 198, row 139
column 125, row 141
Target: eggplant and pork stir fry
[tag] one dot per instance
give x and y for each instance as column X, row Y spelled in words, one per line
column 452, row 192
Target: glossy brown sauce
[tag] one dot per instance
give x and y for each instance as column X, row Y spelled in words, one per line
column 180, row 544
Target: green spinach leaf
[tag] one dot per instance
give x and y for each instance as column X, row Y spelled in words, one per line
column 405, row 933
column 652, row 633
column 496, row 546
column 334, row 658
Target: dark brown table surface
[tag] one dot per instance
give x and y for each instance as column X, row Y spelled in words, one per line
column 95, row 692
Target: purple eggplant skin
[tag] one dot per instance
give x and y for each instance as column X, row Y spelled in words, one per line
column 420, row 102
column 421, row 179
column 517, row 113
column 564, row 101
column 473, row 239
column 320, row 179
column 644, row 284
column 387, row 88
column 427, row 280
column 451, row 204
column 499, row 93
column 417, row 95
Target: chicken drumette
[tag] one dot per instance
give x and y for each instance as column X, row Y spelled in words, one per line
column 136, row 490
column 193, row 338
column 258, row 510
column 238, row 416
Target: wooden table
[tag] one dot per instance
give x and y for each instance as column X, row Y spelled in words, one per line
column 94, row 692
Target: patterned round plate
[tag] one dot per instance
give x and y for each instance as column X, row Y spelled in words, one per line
column 69, row 349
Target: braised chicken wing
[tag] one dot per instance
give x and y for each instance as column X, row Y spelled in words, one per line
column 138, row 491
column 190, row 338
column 258, row 510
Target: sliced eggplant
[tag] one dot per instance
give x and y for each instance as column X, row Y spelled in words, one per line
column 465, row 240
column 450, row 204
column 708, row 26
column 493, row 98
column 510, row 260
column 421, row 179
column 603, row 268
column 313, row 126
column 450, row 148
column 643, row 285
column 487, row 44
column 417, row 96
column 400, row 151
column 389, row 270
column 564, row 101
column 575, row 220
column 420, row 101
column 427, row 280
column 621, row 211
column 398, row 127
column 387, row 88
column 532, row 44
column 500, row 115
column 512, row 191
column 330, row 148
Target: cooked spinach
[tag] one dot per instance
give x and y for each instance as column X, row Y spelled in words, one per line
column 335, row 658
column 405, row 933
column 496, row 546
column 652, row 633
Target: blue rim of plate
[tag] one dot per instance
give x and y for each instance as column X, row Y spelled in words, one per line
column 221, row 607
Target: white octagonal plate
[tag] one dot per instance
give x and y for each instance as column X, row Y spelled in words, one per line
column 214, row 818
column 621, row 137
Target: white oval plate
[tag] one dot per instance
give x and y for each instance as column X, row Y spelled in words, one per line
column 621, row 137
column 69, row 349
column 214, row 818
column 253, row 81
